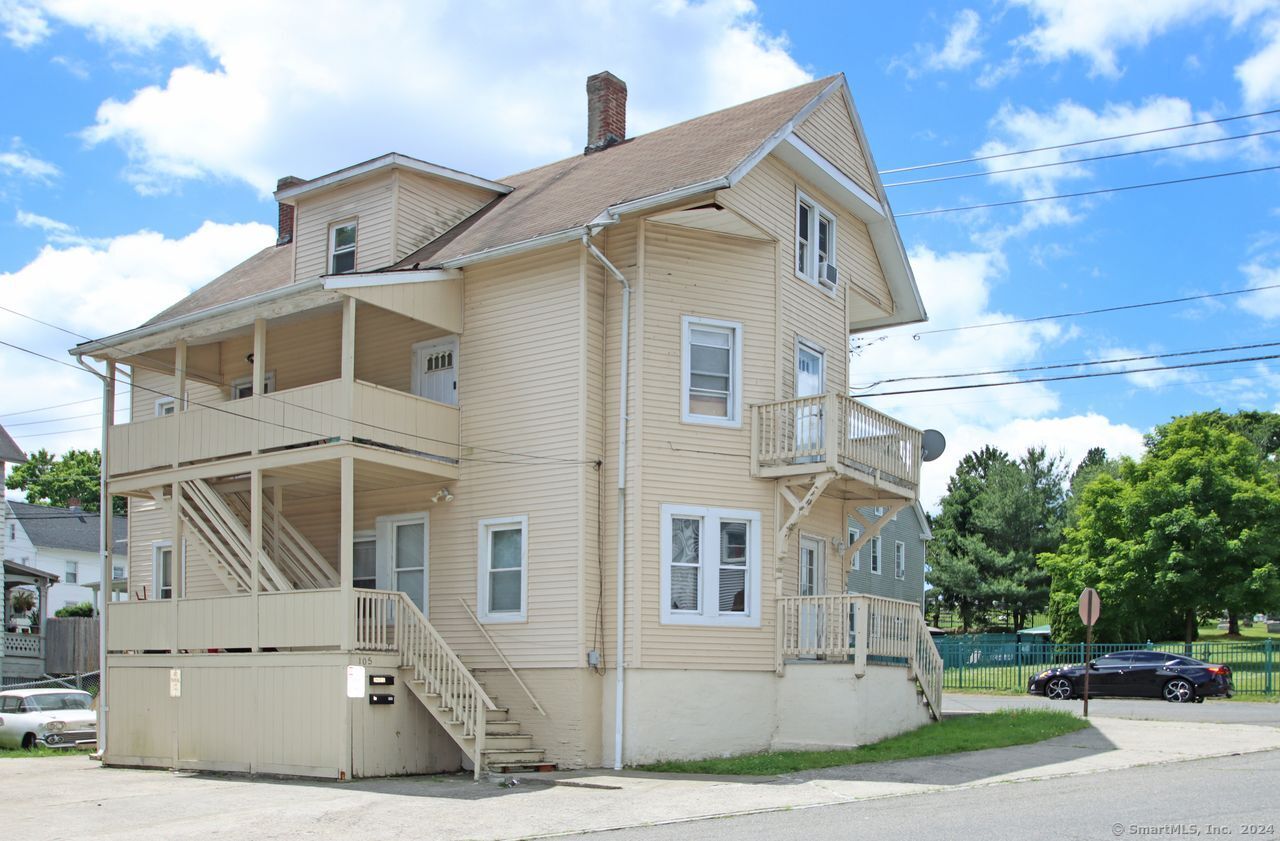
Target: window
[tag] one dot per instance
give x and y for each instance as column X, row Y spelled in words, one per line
column 73, row 573
column 815, row 244
column 166, row 406
column 365, row 555
column 13, row 531
column 711, row 372
column 710, row 566
column 503, row 583
column 875, row 555
column 342, row 247
column 899, row 560
column 242, row 387
column 855, row 534
column 401, row 557
column 117, row 573
column 162, row 568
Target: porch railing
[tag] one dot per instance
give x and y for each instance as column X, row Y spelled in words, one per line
column 860, row 628
column 830, row 430
column 23, row 645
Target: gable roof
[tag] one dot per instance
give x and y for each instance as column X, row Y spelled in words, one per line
column 51, row 527
column 9, row 450
column 270, row 268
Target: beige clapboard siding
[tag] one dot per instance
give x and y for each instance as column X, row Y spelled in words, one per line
column 384, row 346
column 829, row 129
column 150, row 524
column 595, row 287
column 693, row 273
column 426, row 207
column 368, row 201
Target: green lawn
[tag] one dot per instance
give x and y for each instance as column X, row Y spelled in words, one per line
column 19, row 753
column 1257, row 632
column 953, row 735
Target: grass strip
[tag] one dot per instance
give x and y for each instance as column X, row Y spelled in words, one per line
column 41, row 750
column 959, row 734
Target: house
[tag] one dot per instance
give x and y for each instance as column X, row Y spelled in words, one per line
column 64, row 542
column 10, row 453
column 516, row 473
column 892, row 563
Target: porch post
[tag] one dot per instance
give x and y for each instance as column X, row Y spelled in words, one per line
column 348, row 366
column 830, row 429
column 179, row 391
column 255, row 540
column 861, row 630
column 179, row 581
column 346, row 552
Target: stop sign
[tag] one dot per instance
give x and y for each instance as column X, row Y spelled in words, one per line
column 1090, row 606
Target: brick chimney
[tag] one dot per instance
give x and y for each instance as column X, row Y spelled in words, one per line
column 284, row 222
column 606, row 111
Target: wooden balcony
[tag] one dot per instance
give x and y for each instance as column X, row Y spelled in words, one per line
column 835, row 433
column 313, row 414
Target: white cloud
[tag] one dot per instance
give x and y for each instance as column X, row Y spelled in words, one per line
column 960, row 49
column 44, row 223
column 1266, row 303
column 416, row 72
column 1259, row 75
column 101, row 288
column 22, row 24
column 1141, row 376
column 17, row 161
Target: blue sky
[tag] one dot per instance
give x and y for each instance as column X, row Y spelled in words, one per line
column 138, row 152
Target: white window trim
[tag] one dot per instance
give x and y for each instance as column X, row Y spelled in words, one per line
column 709, row 580
column 355, row 247
column 483, row 529
column 854, row 534
column 384, row 529
column 156, row 547
column 810, row 273
column 877, row 556
column 268, row 384
column 899, row 560
column 734, row 421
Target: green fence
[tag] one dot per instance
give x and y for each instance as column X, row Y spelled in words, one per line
column 1007, row 666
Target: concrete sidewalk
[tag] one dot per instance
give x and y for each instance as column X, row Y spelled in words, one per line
column 90, row 801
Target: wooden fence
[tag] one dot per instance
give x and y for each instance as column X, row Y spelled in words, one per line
column 71, row 646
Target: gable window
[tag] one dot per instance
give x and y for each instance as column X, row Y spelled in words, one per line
column 899, row 560
column 242, row 387
column 711, row 372
column 342, row 248
column 73, row 573
column 815, row 244
column 710, row 566
column 875, row 555
column 503, row 582
column 854, row 534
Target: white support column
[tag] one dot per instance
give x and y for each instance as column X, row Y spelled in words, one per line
column 346, row 551
column 175, row 522
column 106, row 546
column 259, row 355
column 179, row 394
column 348, row 367
column 255, row 544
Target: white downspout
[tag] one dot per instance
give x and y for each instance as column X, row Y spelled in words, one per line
column 106, row 579
column 622, row 493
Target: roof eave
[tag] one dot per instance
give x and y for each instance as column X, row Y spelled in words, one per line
column 391, row 160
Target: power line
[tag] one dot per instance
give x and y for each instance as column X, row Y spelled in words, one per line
column 1073, row 376
column 47, row 408
column 993, row 156
column 50, row 420
column 1129, row 153
column 1061, row 365
column 1125, row 188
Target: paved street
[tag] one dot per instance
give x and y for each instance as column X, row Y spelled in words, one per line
column 1225, row 712
column 1178, row 800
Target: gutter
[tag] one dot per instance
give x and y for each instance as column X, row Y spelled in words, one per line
column 622, row 492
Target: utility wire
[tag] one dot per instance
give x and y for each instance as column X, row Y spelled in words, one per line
column 47, row 408
column 977, row 158
column 984, row 173
column 50, row 420
column 1097, row 192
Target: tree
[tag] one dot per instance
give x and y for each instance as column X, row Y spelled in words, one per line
column 49, row 480
column 1094, row 464
column 73, row 610
column 1188, row 530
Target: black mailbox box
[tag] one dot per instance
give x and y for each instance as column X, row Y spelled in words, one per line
column 376, row 698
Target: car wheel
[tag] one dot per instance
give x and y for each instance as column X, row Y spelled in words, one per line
column 29, row 741
column 1058, row 689
column 1179, row 691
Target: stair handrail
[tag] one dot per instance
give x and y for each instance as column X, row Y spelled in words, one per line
column 501, row 656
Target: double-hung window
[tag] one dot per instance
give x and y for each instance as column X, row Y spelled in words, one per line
column 711, row 372
column 710, row 566
column 73, row 573
column 875, row 555
column 503, row 581
column 342, row 247
column 899, row 560
column 854, row 534
column 815, row 244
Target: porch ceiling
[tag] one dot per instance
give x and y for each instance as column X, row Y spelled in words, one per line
column 319, row 479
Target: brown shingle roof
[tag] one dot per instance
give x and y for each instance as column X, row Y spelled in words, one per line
column 562, row 195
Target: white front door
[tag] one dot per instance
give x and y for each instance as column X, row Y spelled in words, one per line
column 812, row 583
column 403, row 557
column 810, row 381
column 435, row 370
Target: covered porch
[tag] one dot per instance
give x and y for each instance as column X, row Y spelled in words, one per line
column 24, row 633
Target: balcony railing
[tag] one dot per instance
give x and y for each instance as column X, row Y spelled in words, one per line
column 24, row 645
column 303, row 415
column 808, row 434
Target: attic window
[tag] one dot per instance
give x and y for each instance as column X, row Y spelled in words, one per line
column 342, row 248
column 815, row 244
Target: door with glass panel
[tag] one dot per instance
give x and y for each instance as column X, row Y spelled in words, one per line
column 810, row 382
column 402, row 557
column 812, row 583
column 435, row 367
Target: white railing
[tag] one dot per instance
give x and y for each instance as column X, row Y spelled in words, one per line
column 307, row 414
column 24, row 645
column 787, row 434
column 390, row 621
column 856, row 627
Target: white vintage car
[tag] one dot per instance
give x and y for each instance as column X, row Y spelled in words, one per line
column 54, row 718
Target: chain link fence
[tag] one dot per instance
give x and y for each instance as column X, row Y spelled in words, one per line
column 88, row 681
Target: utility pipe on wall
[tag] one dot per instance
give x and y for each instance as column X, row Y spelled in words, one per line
column 622, row 491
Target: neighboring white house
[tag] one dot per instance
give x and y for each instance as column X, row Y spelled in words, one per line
column 64, row 542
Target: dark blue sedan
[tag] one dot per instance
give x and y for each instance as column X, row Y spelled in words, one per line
column 1137, row 674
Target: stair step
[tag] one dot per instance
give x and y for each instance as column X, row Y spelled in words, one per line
column 520, row 768
column 514, row 741
column 525, row 756
column 501, row 728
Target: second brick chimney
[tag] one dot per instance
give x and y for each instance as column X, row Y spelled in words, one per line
column 284, row 219
column 606, row 111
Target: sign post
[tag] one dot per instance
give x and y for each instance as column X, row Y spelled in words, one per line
column 1090, row 609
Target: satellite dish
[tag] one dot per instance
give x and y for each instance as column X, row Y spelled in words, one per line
column 932, row 443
